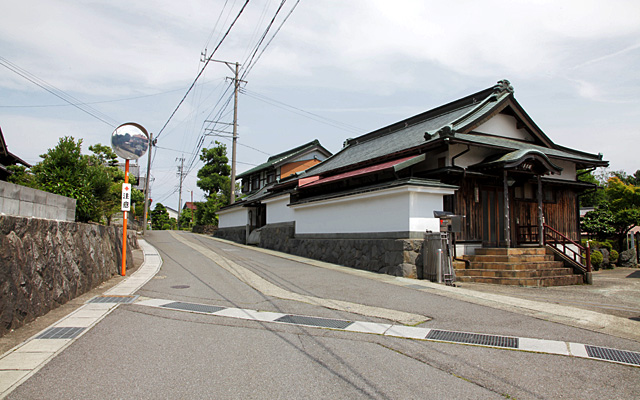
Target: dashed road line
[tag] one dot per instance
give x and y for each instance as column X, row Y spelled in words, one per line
column 532, row 345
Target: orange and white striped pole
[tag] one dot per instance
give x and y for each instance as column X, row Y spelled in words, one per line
column 126, row 196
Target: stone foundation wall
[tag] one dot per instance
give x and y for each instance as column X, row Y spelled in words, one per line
column 235, row 234
column 398, row 257
column 45, row 263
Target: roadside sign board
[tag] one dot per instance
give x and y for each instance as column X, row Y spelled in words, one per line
column 126, row 197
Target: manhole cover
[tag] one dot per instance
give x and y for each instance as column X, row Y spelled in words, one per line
column 180, row 287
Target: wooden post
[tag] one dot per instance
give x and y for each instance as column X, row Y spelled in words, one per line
column 123, row 270
column 507, row 222
column 540, row 214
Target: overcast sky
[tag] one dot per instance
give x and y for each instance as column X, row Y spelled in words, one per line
column 336, row 69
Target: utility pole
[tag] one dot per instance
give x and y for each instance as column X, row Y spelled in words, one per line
column 180, row 173
column 236, row 85
column 146, row 184
column 236, row 89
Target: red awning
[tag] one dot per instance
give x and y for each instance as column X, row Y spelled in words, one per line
column 310, row 181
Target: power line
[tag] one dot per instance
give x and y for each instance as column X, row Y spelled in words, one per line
column 319, row 118
column 82, row 106
column 250, row 67
column 203, row 68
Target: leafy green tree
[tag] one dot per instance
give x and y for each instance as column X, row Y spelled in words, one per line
column 599, row 223
column 20, row 175
column 160, row 217
column 595, row 197
column 214, row 179
column 65, row 171
column 185, row 218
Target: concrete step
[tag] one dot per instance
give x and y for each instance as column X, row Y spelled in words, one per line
column 501, row 273
column 509, row 258
column 512, row 251
column 537, row 282
column 532, row 265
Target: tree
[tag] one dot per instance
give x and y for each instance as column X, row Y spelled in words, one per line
column 65, row 171
column 21, row 176
column 624, row 201
column 186, row 218
column 619, row 210
column 214, row 179
column 160, row 217
column 595, row 197
column 599, row 222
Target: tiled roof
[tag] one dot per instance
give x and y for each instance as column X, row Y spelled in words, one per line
column 454, row 121
column 278, row 158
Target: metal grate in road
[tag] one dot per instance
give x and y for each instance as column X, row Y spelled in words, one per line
column 313, row 321
column 113, row 299
column 203, row 308
column 60, row 333
column 473, row 338
column 603, row 353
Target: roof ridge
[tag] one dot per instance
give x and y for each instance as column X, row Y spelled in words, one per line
column 294, row 150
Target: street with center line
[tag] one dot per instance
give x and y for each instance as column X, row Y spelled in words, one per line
column 220, row 320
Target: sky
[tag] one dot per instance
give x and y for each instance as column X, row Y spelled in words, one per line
column 330, row 71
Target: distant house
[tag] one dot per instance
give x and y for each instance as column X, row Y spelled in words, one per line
column 189, row 205
column 481, row 157
column 7, row 158
column 249, row 213
column 172, row 213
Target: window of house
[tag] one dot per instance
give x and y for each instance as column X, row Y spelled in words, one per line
column 245, row 185
column 255, row 181
column 271, row 177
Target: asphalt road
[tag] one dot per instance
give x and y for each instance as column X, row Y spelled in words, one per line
column 144, row 352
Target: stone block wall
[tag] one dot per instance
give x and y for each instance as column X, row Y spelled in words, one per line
column 26, row 202
column 45, row 263
column 235, row 234
column 398, row 257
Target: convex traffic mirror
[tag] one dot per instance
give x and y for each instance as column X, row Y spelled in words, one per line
column 130, row 141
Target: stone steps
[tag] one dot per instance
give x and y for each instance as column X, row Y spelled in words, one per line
column 520, row 266
column 540, row 282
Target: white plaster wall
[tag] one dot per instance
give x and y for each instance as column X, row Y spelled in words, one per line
column 232, row 217
column 568, row 170
column 475, row 156
column 408, row 208
column 278, row 210
column 504, row 125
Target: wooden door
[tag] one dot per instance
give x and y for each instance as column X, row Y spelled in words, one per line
column 492, row 200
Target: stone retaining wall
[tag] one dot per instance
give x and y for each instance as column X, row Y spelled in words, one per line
column 398, row 257
column 45, row 263
column 235, row 234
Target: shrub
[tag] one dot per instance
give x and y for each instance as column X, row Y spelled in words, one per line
column 613, row 256
column 596, row 259
column 167, row 227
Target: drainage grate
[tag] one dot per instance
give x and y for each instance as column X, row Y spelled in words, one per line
column 203, row 308
column 312, row 321
column 113, row 299
column 60, row 333
column 473, row 338
column 604, row 353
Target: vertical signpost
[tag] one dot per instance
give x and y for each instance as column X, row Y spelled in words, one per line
column 129, row 141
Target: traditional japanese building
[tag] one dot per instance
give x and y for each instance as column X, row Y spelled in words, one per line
column 481, row 157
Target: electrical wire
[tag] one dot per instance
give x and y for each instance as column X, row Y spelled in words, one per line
column 203, row 68
column 319, row 118
column 80, row 105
